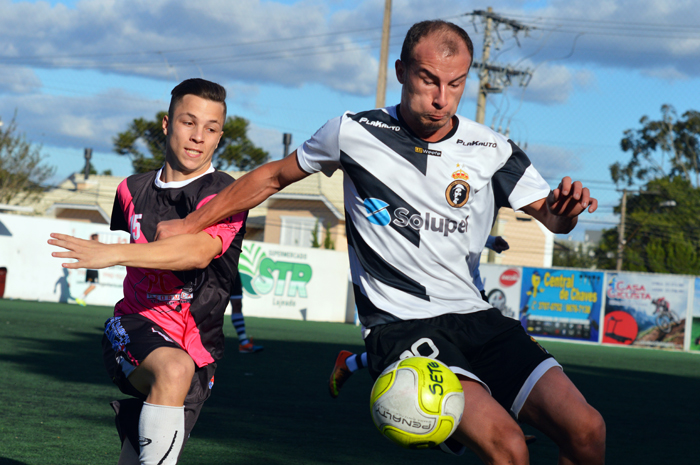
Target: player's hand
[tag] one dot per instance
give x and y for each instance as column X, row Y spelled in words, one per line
column 570, row 199
column 89, row 254
column 500, row 244
column 170, row 228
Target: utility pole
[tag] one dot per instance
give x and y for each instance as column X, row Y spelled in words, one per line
column 621, row 231
column 88, row 156
column 493, row 78
column 484, row 73
column 383, row 56
column 287, row 141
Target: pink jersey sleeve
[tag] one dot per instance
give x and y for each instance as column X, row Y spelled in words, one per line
column 226, row 229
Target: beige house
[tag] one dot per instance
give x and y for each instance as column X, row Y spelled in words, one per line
column 531, row 244
column 290, row 217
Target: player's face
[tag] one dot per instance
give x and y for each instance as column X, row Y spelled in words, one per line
column 432, row 86
column 192, row 135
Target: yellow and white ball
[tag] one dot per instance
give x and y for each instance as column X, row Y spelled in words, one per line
column 417, row 402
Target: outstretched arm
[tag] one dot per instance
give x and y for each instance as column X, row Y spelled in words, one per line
column 560, row 210
column 185, row 252
column 245, row 193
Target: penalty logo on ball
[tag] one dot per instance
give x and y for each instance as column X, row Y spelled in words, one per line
column 417, row 402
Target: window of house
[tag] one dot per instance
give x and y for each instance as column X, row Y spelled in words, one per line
column 296, row 230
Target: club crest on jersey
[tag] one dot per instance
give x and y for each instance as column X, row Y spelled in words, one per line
column 457, row 192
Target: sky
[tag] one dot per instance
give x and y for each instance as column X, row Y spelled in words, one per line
column 75, row 73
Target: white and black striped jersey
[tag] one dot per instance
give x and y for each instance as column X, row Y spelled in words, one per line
column 418, row 213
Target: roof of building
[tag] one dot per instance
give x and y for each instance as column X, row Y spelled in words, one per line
column 96, row 195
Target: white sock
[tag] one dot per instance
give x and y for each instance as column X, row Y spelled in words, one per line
column 161, row 434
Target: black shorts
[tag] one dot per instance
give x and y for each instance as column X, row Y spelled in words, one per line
column 92, row 276
column 126, row 342
column 484, row 346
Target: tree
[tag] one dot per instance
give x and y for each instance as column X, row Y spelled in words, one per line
column 662, row 230
column 22, row 173
column 665, row 161
column 328, row 242
column 235, row 149
column 666, row 147
column 315, row 243
column 572, row 257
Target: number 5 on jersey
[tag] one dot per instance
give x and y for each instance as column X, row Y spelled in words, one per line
column 135, row 226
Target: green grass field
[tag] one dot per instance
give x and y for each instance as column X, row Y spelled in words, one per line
column 273, row 407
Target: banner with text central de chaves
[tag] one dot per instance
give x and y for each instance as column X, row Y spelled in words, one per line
column 563, row 304
column 295, row 283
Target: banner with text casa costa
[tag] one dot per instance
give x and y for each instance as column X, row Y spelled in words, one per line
column 502, row 287
column 646, row 310
column 562, row 304
column 293, row 282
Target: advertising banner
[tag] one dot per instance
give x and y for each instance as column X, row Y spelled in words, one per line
column 294, row 282
column 646, row 309
column 502, row 287
column 563, row 304
column 695, row 321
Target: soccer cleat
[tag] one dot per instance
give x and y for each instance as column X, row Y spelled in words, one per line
column 249, row 348
column 80, row 302
column 340, row 373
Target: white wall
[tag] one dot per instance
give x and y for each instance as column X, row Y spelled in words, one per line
column 293, row 283
column 33, row 274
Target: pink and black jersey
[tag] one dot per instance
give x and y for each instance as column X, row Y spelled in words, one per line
column 187, row 305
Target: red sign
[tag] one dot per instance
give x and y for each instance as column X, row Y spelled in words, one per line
column 509, row 277
column 620, row 328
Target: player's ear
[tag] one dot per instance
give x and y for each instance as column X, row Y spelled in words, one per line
column 400, row 71
column 165, row 123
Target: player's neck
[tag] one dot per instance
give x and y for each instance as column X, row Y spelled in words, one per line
column 170, row 174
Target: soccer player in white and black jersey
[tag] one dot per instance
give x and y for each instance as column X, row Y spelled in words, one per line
column 421, row 188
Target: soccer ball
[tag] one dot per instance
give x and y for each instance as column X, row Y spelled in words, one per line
column 417, row 402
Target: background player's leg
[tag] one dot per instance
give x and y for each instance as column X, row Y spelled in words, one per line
column 346, row 364
column 245, row 344
column 488, row 430
column 165, row 376
column 557, row 408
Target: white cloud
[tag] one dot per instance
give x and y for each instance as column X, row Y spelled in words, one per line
column 269, row 140
column 668, row 73
column 630, row 34
column 555, row 83
column 77, row 121
column 250, row 43
column 553, row 162
column 18, row 80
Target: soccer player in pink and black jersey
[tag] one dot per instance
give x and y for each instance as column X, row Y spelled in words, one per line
column 166, row 335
